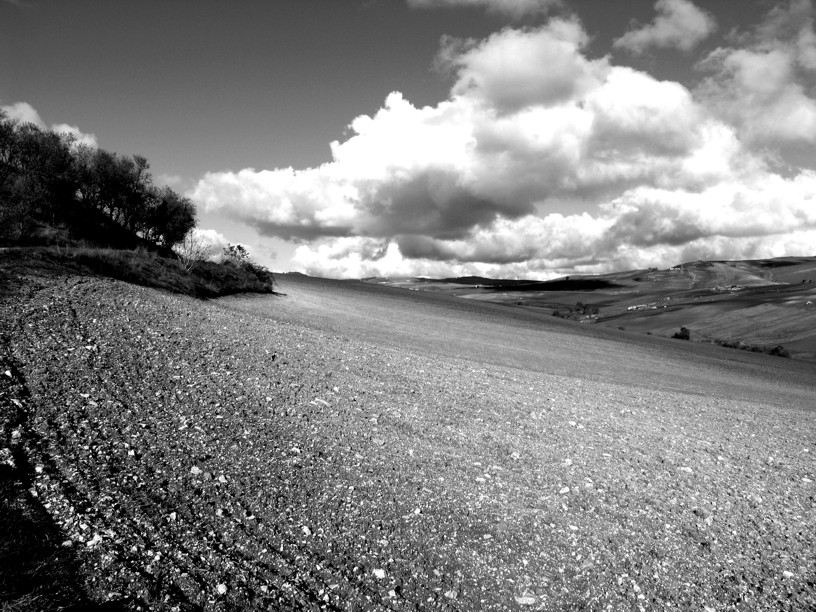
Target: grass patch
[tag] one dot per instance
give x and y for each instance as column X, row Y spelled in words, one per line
column 139, row 267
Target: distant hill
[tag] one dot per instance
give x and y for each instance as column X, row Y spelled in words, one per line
column 757, row 304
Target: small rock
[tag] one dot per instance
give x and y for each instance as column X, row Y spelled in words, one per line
column 306, row 531
column 686, row 469
column 221, row 588
column 222, row 479
column 787, row 574
column 564, row 491
column 94, row 541
column 379, row 573
column 195, row 470
column 525, row 600
column 67, row 543
column 452, row 594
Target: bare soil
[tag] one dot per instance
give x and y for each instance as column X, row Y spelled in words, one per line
column 359, row 447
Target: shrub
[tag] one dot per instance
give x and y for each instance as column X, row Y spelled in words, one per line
column 683, row 334
column 779, row 351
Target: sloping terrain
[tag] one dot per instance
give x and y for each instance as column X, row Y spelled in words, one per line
column 760, row 324
column 358, row 447
column 660, row 302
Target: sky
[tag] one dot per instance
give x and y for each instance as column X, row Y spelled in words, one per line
column 502, row 138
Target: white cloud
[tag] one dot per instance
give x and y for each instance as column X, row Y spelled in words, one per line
column 515, row 69
column 469, row 186
column 644, row 227
column 79, row 136
column 679, row 24
column 766, row 87
column 23, row 112
column 513, row 8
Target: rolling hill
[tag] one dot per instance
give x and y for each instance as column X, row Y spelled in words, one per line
column 759, row 303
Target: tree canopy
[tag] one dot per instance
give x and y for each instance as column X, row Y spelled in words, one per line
column 49, row 180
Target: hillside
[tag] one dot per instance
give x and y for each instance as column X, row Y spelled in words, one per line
column 349, row 446
column 710, row 298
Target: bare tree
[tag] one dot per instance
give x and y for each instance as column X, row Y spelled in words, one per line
column 191, row 250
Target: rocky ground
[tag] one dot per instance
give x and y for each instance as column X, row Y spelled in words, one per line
column 190, row 455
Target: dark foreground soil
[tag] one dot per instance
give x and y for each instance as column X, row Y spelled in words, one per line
column 184, row 455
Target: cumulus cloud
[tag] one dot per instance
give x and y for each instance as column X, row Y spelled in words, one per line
column 532, row 125
column 644, row 227
column 513, row 8
column 23, row 112
column 679, row 24
column 766, row 86
column 512, row 69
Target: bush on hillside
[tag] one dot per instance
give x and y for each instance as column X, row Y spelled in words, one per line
column 777, row 351
column 140, row 267
column 683, row 334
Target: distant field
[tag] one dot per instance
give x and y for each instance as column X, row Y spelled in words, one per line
column 528, row 338
column 762, row 302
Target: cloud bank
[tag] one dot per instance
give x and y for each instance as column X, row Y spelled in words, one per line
column 490, row 180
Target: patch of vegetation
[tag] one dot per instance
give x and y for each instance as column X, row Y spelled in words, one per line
column 778, row 350
column 141, row 267
column 49, row 180
column 92, row 211
column 683, row 334
column 578, row 312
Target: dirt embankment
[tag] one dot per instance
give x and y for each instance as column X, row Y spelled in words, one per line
column 195, row 455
